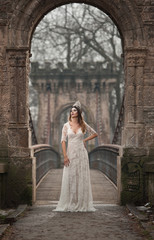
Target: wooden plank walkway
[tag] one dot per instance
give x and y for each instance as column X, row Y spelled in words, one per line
column 48, row 191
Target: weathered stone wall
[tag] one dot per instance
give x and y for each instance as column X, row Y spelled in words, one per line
column 18, row 19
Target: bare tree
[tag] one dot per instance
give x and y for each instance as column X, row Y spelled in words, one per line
column 76, row 32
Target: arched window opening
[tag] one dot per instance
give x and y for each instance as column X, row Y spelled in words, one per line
column 79, row 50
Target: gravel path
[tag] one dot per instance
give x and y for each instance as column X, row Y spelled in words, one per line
column 109, row 222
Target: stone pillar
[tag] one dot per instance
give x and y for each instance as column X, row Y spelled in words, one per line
column 133, row 132
column 134, row 154
column 15, row 124
column 4, row 107
column 4, row 119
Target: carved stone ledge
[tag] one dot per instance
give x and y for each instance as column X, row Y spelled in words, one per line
column 17, row 60
column 17, row 56
column 17, row 49
column 135, row 57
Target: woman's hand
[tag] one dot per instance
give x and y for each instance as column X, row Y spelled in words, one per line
column 66, row 161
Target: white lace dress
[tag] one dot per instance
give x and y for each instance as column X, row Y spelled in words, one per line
column 76, row 193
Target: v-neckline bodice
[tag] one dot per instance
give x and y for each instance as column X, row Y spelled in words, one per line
column 72, row 129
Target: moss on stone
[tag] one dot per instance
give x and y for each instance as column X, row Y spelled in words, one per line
column 19, row 182
column 26, row 195
column 133, row 179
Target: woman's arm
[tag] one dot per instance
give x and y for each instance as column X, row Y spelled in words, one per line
column 90, row 131
column 66, row 160
column 90, row 137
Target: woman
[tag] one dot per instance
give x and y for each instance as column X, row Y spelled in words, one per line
column 76, row 194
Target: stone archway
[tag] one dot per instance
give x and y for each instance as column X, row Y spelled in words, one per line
column 18, row 22
column 27, row 16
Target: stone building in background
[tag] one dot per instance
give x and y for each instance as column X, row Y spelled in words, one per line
column 59, row 88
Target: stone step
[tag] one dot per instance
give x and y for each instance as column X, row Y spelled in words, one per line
column 14, row 215
column 132, row 208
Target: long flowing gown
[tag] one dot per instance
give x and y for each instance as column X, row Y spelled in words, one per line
column 76, row 193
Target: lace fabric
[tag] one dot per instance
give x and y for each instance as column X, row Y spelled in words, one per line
column 76, row 193
column 66, row 126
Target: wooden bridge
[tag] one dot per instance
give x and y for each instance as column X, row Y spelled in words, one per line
column 105, row 172
column 48, row 191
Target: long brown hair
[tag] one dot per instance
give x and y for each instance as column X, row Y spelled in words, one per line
column 80, row 119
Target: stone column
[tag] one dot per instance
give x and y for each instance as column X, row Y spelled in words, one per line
column 4, row 107
column 4, row 119
column 133, row 132
column 19, row 177
column 134, row 154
